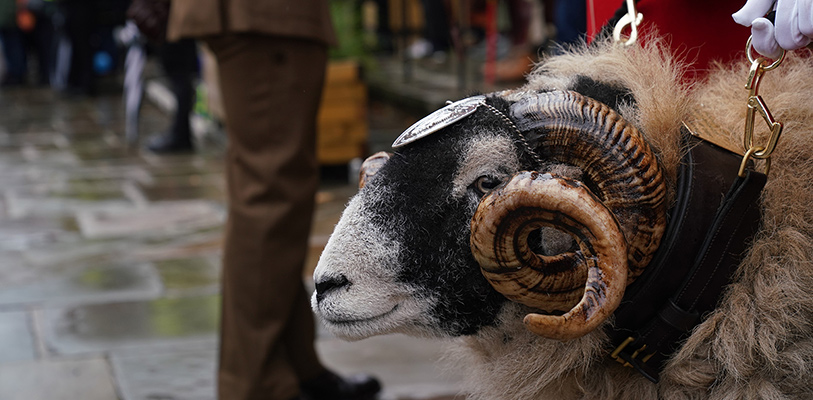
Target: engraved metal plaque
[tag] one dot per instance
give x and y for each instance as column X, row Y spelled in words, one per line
column 439, row 119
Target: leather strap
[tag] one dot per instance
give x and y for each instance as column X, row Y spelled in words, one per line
column 710, row 227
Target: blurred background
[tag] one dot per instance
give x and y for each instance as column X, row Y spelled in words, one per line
column 109, row 252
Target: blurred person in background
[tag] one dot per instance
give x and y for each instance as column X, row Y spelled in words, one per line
column 570, row 19
column 40, row 37
column 85, row 48
column 76, row 24
column 26, row 27
column 11, row 36
column 145, row 32
column 436, row 38
column 179, row 59
column 271, row 57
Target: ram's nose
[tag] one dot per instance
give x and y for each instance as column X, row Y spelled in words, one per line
column 331, row 283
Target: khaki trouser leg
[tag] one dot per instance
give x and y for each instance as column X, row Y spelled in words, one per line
column 271, row 89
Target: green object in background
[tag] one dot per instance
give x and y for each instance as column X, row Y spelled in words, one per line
column 8, row 10
column 201, row 101
column 346, row 16
column 184, row 316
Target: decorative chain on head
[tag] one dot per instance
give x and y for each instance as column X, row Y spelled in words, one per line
column 522, row 139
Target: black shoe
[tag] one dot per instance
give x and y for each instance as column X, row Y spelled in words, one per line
column 168, row 143
column 329, row 386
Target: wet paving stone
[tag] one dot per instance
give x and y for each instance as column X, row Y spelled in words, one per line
column 16, row 173
column 103, row 152
column 11, row 142
column 187, row 187
column 77, row 191
column 160, row 166
column 59, row 284
column 186, row 275
column 9, row 161
column 78, row 252
column 211, row 159
column 180, row 373
column 162, row 218
column 119, row 326
column 49, row 157
column 21, row 203
column 25, row 233
column 202, row 243
column 394, row 358
column 108, row 172
column 16, row 338
column 85, row 379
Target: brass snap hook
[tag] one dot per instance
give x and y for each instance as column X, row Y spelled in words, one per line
column 756, row 105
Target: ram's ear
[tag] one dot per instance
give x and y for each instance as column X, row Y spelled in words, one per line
column 371, row 166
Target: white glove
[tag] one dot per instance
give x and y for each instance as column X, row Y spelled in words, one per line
column 792, row 28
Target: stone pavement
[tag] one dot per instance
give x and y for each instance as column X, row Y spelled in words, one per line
column 109, row 261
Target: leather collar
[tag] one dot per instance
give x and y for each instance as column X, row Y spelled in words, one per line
column 714, row 218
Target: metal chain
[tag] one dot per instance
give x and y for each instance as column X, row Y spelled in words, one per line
column 756, row 104
column 516, row 130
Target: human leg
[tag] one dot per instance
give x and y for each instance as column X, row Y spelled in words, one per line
column 271, row 90
column 15, row 56
column 80, row 23
column 179, row 61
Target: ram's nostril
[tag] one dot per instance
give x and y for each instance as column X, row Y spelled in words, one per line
column 331, row 283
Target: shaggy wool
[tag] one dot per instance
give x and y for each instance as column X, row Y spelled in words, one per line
column 758, row 343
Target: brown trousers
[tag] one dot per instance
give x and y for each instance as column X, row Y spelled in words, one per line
column 271, row 88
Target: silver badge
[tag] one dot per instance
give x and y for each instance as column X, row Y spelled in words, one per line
column 440, row 119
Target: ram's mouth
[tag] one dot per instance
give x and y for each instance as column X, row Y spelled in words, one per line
column 356, row 327
column 402, row 313
column 340, row 321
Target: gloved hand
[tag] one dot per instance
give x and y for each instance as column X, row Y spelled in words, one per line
column 792, row 28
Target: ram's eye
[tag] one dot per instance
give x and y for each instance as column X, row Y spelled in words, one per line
column 485, row 184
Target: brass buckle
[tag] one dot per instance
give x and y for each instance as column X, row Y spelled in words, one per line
column 616, row 354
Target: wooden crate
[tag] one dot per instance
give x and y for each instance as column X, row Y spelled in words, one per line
column 406, row 11
column 342, row 120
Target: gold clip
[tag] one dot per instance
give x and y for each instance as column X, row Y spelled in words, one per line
column 757, row 104
column 748, row 154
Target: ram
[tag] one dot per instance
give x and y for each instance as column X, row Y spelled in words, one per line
column 581, row 237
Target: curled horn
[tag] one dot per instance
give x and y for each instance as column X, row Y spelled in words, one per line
column 618, row 164
column 625, row 181
column 593, row 277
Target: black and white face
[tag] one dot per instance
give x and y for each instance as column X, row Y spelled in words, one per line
column 399, row 259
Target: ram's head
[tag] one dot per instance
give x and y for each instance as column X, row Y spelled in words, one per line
column 547, row 198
